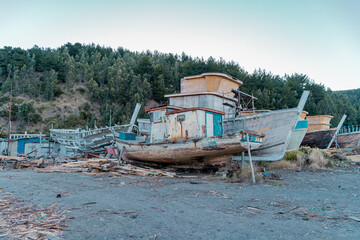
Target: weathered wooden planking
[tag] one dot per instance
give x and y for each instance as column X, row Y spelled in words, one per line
column 319, row 138
column 185, row 151
column 348, row 139
column 12, row 158
column 281, row 124
column 277, row 127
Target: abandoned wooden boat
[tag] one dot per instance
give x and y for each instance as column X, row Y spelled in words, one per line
column 205, row 151
column 319, row 133
column 278, row 127
column 191, row 136
column 219, row 91
column 318, row 138
column 86, row 140
column 349, row 136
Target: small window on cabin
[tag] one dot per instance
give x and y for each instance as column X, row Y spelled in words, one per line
column 157, row 116
column 180, row 118
column 151, row 116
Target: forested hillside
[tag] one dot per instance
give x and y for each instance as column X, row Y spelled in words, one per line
column 76, row 85
column 353, row 95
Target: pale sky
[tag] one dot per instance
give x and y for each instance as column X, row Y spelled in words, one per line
column 320, row 38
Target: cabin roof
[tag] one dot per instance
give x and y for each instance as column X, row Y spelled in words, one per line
column 231, row 78
column 193, row 109
column 200, row 93
column 162, row 107
column 318, row 116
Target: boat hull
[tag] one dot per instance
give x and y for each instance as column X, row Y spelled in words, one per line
column 298, row 135
column 296, row 139
column 276, row 125
column 188, row 151
column 318, row 138
column 348, row 139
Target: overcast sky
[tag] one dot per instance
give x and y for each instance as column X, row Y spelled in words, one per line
column 320, row 38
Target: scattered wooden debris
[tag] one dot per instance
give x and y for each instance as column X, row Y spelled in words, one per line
column 25, row 162
column 102, row 165
column 22, row 221
column 4, row 157
column 92, row 166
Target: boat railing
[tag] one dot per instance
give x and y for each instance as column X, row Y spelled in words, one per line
column 20, row 136
column 350, row 129
column 233, row 124
column 144, row 126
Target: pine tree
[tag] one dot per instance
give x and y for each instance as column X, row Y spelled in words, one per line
column 49, row 83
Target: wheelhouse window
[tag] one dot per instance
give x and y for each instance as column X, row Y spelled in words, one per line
column 157, row 116
column 180, row 118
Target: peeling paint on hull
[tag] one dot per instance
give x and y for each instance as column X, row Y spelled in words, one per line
column 187, row 151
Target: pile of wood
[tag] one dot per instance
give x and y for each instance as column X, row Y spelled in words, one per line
column 24, row 162
column 22, row 221
column 94, row 166
column 103, row 165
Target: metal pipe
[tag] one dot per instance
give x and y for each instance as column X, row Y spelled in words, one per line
column 250, row 160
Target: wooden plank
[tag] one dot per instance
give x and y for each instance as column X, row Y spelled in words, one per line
column 12, row 158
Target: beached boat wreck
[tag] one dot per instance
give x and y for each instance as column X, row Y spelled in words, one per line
column 220, row 92
column 320, row 134
column 92, row 140
column 192, row 137
column 349, row 136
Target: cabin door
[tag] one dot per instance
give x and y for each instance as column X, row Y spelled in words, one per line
column 218, row 130
column 209, row 124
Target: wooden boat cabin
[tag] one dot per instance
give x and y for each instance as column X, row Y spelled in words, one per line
column 319, row 122
column 208, row 90
column 169, row 122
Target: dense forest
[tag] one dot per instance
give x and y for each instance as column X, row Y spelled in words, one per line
column 110, row 82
